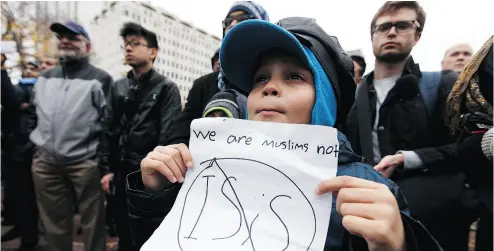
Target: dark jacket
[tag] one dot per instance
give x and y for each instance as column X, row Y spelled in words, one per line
column 472, row 132
column 10, row 112
column 435, row 191
column 201, row 92
column 67, row 112
column 138, row 118
column 404, row 123
column 479, row 175
column 147, row 210
column 24, row 92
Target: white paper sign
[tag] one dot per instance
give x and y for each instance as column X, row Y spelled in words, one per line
column 252, row 187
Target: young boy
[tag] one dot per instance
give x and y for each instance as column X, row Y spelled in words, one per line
column 295, row 73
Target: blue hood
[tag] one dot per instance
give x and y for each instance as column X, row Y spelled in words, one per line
column 325, row 106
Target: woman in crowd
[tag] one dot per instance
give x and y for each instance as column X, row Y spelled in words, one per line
column 470, row 119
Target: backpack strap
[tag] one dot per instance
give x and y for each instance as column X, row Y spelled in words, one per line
column 364, row 123
column 429, row 85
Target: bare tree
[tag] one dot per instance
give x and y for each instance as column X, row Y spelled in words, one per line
column 25, row 21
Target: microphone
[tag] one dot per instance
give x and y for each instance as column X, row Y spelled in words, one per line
column 407, row 87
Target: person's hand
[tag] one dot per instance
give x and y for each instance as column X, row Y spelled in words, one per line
column 105, row 182
column 369, row 210
column 388, row 164
column 165, row 163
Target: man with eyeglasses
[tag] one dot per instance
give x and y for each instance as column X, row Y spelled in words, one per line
column 397, row 124
column 141, row 108
column 205, row 87
column 66, row 123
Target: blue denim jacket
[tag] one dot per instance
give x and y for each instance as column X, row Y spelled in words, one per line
column 147, row 210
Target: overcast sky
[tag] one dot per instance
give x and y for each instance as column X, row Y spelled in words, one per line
column 447, row 22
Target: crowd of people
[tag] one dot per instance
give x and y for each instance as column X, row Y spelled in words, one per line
column 415, row 161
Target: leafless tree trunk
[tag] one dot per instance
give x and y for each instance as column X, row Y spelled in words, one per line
column 25, row 21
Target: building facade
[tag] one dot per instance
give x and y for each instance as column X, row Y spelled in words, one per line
column 184, row 52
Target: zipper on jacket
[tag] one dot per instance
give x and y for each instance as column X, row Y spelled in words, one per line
column 57, row 110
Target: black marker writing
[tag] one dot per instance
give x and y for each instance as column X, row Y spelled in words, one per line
column 210, row 135
column 233, row 138
column 323, row 150
column 286, row 145
column 204, row 204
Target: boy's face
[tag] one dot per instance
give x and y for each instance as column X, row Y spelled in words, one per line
column 283, row 91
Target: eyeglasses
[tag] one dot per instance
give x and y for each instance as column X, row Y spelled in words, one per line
column 229, row 20
column 400, row 26
column 70, row 37
column 133, row 44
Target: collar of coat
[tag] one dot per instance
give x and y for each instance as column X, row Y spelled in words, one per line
column 410, row 68
column 144, row 78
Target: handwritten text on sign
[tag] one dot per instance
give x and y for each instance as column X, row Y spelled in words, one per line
column 251, row 188
column 285, row 145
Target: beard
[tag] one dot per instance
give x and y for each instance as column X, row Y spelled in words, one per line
column 71, row 55
column 395, row 57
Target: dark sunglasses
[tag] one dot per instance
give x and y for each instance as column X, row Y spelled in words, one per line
column 69, row 36
column 400, row 26
column 229, row 20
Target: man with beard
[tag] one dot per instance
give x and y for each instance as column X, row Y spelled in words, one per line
column 69, row 104
column 397, row 124
column 141, row 108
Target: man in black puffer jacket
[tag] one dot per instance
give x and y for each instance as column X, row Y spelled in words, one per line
column 140, row 111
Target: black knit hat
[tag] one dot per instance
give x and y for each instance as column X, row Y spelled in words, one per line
column 226, row 102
